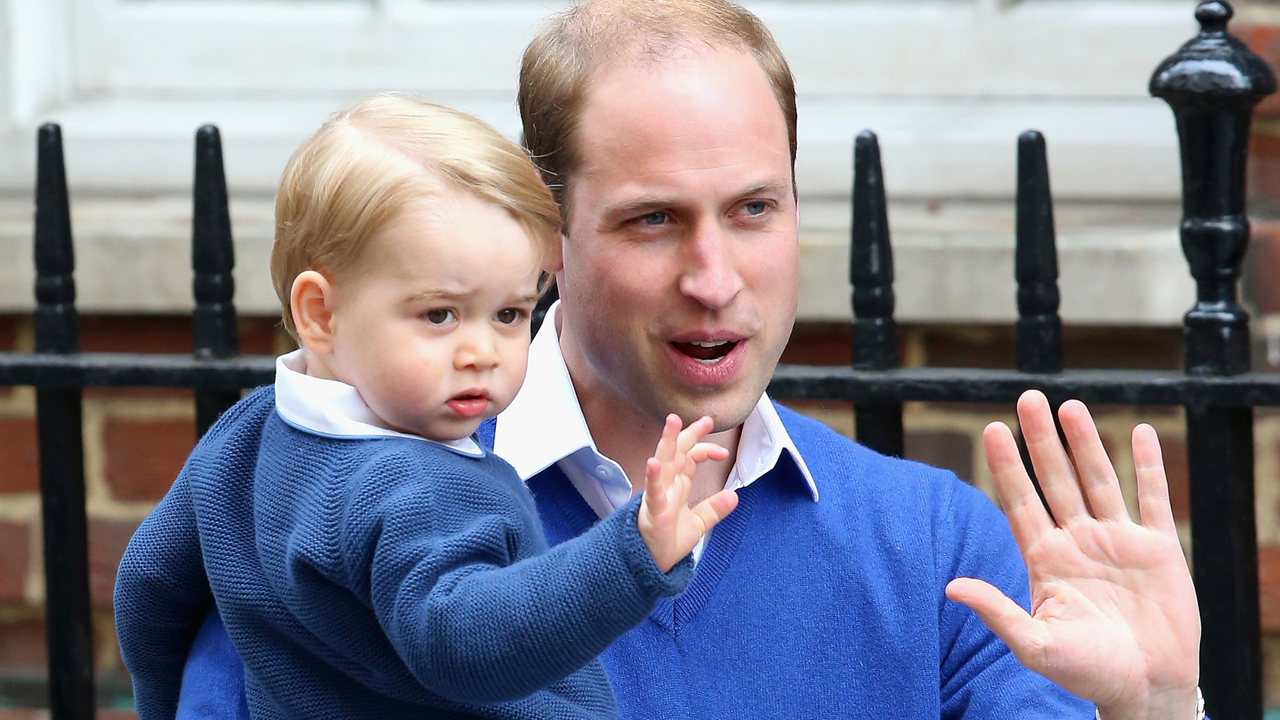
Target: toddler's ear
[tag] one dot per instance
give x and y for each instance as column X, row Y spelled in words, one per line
column 311, row 300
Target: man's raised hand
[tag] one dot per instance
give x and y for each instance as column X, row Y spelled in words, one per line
column 671, row 528
column 1113, row 614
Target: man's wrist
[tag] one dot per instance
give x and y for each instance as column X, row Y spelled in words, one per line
column 1199, row 711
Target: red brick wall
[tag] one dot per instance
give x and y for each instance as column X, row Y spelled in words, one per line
column 136, row 440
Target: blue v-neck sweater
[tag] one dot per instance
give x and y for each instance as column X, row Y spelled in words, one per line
column 798, row 609
column 834, row 608
column 387, row 577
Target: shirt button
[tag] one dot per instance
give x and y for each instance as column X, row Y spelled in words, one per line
column 603, row 472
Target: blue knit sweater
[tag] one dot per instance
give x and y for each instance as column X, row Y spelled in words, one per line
column 387, row 578
column 802, row 609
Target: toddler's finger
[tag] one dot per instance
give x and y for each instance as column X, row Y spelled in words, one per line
column 705, row 451
column 667, row 443
column 655, row 489
column 690, row 436
column 715, row 508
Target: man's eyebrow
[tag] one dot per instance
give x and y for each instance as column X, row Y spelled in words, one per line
column 639, row 205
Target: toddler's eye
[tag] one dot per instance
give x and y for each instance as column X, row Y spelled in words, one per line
column 438, row 316
column 508, row 316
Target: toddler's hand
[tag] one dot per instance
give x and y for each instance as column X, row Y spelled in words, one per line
column 671, row 528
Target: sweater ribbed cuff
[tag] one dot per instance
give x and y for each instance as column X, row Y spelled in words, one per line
column 649, row 578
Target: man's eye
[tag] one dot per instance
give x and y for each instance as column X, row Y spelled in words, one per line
column 757, row 207
column 509, row 316
column 654, row 218
column 439, row 316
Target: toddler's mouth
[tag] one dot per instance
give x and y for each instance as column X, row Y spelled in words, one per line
column 469, row 403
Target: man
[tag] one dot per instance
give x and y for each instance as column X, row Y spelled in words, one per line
column 667, row 131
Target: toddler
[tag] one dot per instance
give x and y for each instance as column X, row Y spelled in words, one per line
column 369, row 559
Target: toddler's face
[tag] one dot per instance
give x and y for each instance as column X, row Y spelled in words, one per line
column 431, row 326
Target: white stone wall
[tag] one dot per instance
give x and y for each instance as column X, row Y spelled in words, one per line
column 947, row 84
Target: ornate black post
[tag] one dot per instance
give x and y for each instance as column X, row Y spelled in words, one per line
column 1213, row 83
column 213, row 322
column 1039, row 330
column 875, row 334
column 58, row 419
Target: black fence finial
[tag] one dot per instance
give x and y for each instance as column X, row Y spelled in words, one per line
column 213, row 321
column 1039, row 329
column 1213, row 83
column 875, row 332
column 56, row 323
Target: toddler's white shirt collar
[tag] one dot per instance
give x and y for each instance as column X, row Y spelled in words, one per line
column 335, row 409
column 544, row 425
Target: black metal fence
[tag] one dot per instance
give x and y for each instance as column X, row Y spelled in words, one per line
column 1212, row 83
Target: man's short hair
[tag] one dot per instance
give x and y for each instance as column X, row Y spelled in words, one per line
column 557, row 66
column 374, row 160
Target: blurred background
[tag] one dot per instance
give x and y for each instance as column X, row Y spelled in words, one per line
column 947, row 84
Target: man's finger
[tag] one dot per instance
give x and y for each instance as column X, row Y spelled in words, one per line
column 1097, row 476
column 1053, row 467
column 715, row 508
column 1005, row 618
column 1153, row 486
column 1027, row 517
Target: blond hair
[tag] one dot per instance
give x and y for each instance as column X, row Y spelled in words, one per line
column 558, row 65
column 370, row 162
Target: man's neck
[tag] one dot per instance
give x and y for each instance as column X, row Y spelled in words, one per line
column 629, row 437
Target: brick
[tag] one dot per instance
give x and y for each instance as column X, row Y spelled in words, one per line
column 107, row 541
column 144, row 456
column 25, row 714
column 1269, row 586
column 1262, row 264
column 22, row 646
column 1174, row 452
column 111, row 714
column 944, row 449
column 15, row 538
column 8, row 332
column 1265, row 41
column 819, row 344
column 1262, row 173
column 19, row 456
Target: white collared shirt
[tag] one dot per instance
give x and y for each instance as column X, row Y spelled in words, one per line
column 334, row 409
column 544, row 426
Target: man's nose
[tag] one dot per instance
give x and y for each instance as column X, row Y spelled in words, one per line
column 476, row 350
column 711, row 273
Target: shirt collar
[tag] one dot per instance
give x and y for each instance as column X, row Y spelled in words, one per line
column 544, row 424
column 332, row 408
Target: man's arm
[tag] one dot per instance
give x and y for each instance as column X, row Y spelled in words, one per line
column 161, row 597
column 1113, row 610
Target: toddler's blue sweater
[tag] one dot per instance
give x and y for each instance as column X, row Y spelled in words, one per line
column 388, row 578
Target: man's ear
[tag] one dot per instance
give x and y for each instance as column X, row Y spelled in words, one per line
column 554, row 260
column 311, row 300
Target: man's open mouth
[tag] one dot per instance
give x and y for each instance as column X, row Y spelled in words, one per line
column 706, row 352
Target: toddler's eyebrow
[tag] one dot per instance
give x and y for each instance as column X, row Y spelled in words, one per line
column 447, row 295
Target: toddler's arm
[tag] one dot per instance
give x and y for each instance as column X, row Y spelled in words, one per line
column 474, row 627
column 161, row 597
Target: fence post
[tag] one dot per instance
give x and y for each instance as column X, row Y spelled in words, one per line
column 1213, row 83
column 58, row 422
column 875, row 333
column 213, row 321
column 1039, row 329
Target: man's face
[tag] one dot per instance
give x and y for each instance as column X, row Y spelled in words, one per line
column 680, row 267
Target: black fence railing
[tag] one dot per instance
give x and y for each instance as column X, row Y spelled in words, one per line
column 1212, row 83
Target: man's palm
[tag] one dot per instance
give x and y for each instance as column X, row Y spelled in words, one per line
column 1113, row 610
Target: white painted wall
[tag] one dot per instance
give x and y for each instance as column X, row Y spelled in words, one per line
column 948, row 85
